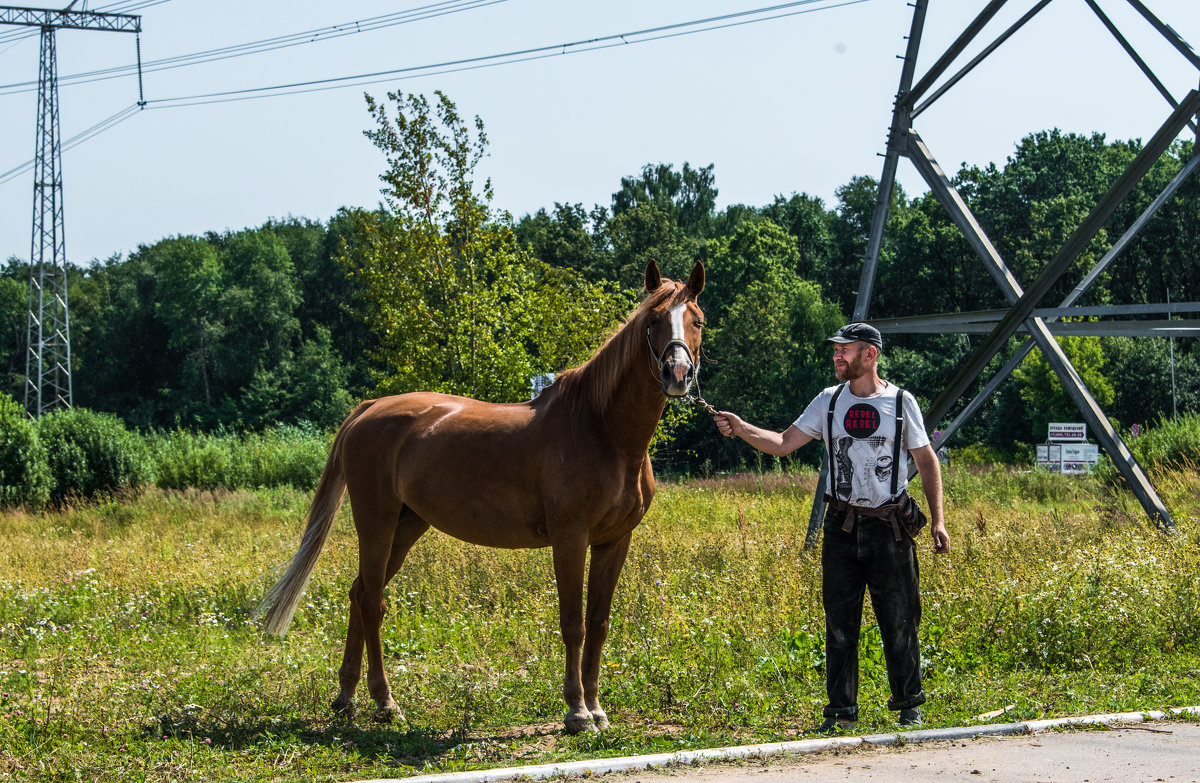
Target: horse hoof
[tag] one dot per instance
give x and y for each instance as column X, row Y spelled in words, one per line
column 388, row 712
column 579, row 725
column 600, row 719
column 343, row 708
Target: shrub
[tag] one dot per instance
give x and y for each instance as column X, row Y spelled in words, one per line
column 1173, row 443
column 286, row 456
column 24, row 472
column 184, row 460
column 91, row 454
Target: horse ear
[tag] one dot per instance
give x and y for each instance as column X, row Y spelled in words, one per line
column 695, row 281
column 653, row 278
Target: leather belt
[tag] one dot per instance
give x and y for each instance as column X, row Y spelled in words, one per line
column 888, row 511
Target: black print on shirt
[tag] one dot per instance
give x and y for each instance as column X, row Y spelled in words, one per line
column 869, row 460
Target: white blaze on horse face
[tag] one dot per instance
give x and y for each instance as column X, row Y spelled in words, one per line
column 677, row 313
column 683, row 362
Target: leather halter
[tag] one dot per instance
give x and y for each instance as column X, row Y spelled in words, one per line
column 661, row 356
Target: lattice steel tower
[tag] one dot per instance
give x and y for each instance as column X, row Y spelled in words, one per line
column 48, row 333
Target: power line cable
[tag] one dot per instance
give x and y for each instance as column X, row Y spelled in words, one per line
column 106, row 124
column 330, row 32
column 646, row 35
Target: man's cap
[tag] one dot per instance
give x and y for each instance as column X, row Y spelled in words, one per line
column 858, row 332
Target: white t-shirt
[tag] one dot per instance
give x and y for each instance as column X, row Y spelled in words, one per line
column 863, row 431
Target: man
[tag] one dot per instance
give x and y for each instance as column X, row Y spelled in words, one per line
column 863, row 546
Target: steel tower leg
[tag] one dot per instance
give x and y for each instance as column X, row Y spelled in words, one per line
column 48, row 354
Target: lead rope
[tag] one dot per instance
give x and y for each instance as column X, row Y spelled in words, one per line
column 696, row 399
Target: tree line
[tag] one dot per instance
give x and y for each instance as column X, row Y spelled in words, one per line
column 436, row 288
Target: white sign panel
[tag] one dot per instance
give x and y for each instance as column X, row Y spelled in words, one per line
column 1064, row 432
column 1079, row 457
column 1049, row 456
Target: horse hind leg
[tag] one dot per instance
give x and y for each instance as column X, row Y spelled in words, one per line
column 351, row 670
column 367, row 609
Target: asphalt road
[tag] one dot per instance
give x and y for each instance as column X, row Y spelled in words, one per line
column 1158, row 752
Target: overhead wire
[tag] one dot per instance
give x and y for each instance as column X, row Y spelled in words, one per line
column 79, row 138
column 646, row 35
column 304, row 37
column 678, row 29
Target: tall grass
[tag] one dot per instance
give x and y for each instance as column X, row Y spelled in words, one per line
column 127, row 650
column 284, row 456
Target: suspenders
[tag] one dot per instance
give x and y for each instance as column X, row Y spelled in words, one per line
column 895, row 443
column 829, row 444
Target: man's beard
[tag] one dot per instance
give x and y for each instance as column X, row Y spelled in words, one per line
column 850, row 372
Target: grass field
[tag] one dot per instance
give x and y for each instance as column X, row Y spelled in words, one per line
column 128, row 651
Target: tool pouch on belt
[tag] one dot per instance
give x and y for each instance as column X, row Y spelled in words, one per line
column 910, row 516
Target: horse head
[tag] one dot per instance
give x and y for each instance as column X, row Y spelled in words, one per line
column 673, row 325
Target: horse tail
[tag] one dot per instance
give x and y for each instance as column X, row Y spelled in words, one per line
column 278, row 606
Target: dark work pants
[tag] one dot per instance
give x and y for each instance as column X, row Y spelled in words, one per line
column 870, row 558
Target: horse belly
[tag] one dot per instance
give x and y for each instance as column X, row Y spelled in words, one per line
column 480, row 494
column 489, row 523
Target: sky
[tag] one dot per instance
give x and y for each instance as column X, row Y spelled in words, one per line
column 795, row 100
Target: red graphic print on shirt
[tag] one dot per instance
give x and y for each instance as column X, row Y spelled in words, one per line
column 861, row 421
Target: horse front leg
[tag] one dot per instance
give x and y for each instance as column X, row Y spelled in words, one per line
column 569, row 558
column 607, row 562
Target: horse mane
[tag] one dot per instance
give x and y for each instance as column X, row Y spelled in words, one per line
column 593, row 385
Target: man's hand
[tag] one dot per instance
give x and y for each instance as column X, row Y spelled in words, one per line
column 728, row 424
column 941, row 538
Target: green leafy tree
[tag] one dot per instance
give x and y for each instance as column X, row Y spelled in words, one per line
column 1141, row 374
column 456, row 304
column 648, row 232
column 1043, row 393
column 851, row 233
column 14, row 308
column 570, row 238
column 757, row 250
column 1164, row 261
column 688, row 197
column 1039, row 197
column 807, row 220
column 309, row 386
column 256, row 308
column 188, row 302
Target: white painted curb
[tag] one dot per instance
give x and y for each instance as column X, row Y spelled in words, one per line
column 629, row 763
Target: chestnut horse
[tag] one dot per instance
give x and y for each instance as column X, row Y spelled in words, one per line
column 568, row 470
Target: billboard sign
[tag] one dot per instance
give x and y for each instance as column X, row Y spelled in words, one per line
column 1067, row 432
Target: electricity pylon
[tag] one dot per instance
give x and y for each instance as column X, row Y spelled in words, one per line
column 48, row 331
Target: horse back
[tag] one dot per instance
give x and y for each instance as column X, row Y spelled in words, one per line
column 507, row 475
